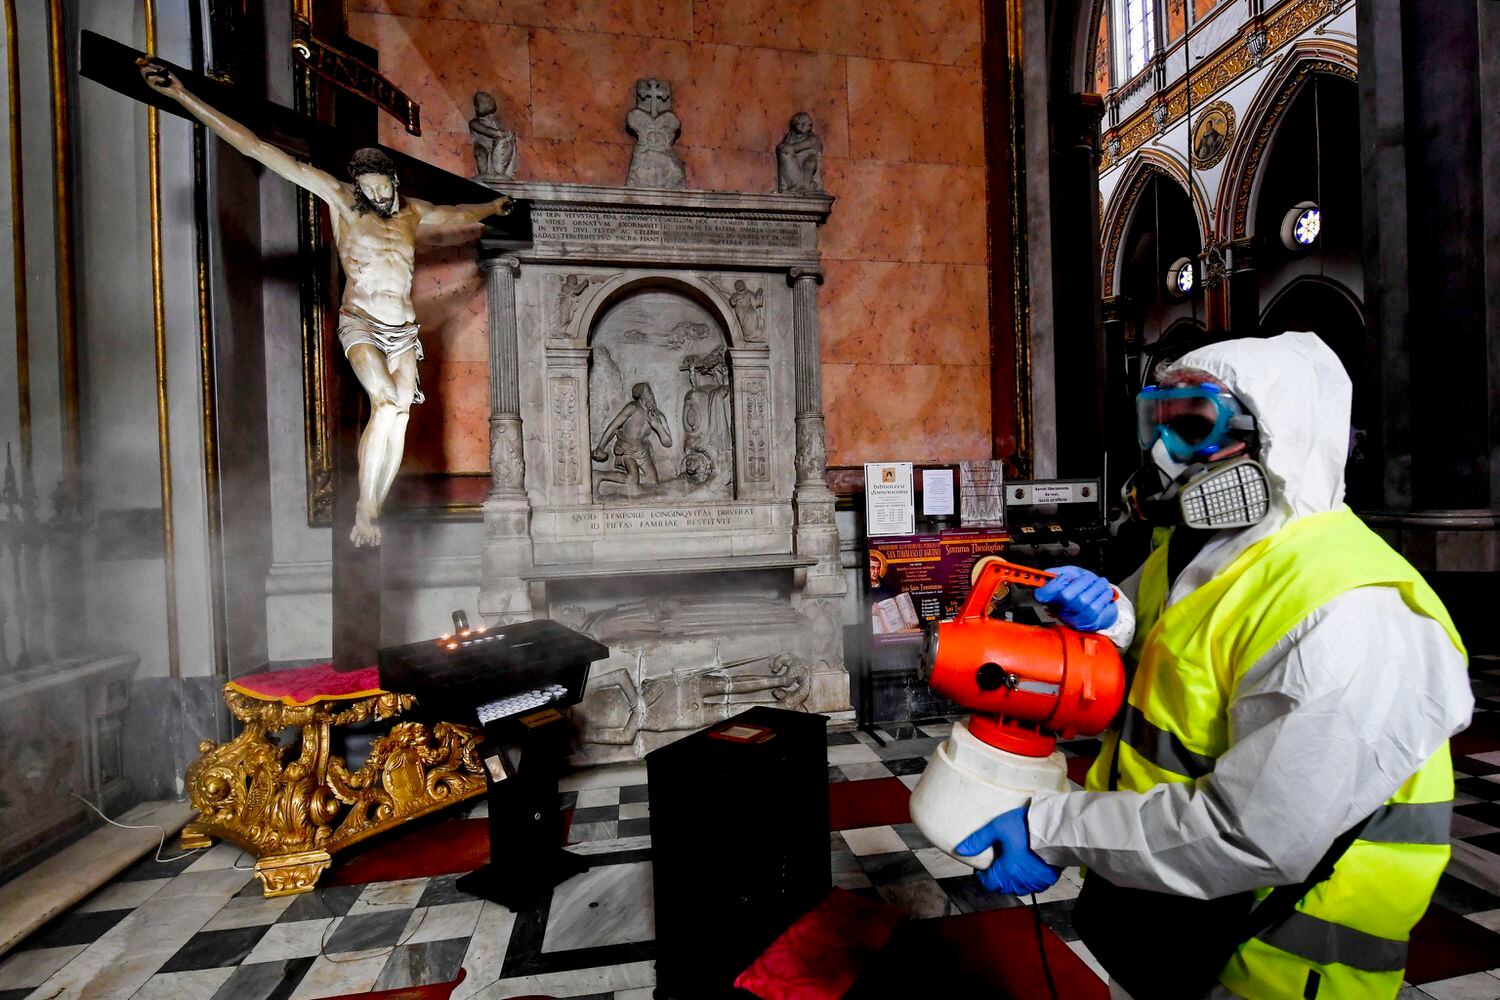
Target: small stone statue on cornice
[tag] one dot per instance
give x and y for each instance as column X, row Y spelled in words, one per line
column 654, row 164
column 799, row 158
column 494, row 145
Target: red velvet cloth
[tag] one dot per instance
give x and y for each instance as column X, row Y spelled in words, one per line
column 820, row 956
column 319, row 682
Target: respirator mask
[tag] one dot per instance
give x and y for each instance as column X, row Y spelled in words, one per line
column 1198, row 471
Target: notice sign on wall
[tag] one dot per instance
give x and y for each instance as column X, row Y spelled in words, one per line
column 889, row 507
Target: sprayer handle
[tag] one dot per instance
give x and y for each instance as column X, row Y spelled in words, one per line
column 993, row 571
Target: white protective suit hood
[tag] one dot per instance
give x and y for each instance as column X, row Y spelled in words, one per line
column 1300, row 396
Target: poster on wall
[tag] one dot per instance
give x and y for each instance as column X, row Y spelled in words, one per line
column 916, row 579
column 889, row 507
column 981, row 494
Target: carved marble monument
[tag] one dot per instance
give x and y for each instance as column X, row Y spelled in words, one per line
column 657, row 454
column 654, row 164
column 799, row 158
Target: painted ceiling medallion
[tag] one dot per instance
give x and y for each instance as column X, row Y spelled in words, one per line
column 1212, row 133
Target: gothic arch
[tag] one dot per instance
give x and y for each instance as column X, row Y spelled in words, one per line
column 1262, row 119
column 1144, row 165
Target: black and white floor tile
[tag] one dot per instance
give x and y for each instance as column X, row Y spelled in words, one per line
column 198, row 927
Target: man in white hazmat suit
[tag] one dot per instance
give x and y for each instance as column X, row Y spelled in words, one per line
column 1294, row 684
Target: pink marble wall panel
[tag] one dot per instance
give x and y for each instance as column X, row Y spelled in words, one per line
column 940, row 31
column 915, row 111
column 905, row 313
column 905, row 211
column 441, row 63
column 583, row 83
column 897, row 98
column 448, row 293
column 918, row 413
column 450, row 431
column 463, row 10
column 651, row 18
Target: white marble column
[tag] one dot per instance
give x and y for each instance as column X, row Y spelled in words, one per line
column 816, row 534
column 507, row 463
column 507, row 513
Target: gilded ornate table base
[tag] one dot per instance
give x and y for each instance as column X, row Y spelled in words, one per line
column 295, row 807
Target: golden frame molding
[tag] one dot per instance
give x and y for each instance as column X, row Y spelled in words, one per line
column 1247, row 163
column 1223, row 68
column 1149, row 164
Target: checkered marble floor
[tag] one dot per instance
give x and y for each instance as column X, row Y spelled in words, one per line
column 197, row 926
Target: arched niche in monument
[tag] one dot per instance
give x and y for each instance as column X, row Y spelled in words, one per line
column 661, row 407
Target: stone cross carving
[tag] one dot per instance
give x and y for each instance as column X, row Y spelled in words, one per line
column 494, row 145
column 799, row 158
column 654, row 164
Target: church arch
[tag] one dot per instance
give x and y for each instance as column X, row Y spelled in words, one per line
column 1121, row 212
column 1262, row 120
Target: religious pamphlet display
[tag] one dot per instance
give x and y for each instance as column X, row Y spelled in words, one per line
column 918, row 579
column 981, row 487
column 889, row 506
column 375, row 230
column 937, row 492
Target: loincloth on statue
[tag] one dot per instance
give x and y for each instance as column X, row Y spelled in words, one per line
column 392, row 341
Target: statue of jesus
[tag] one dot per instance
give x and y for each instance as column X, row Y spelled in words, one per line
column 375, row 230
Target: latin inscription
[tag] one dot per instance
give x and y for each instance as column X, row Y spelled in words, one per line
column 665, row 230
column 704, row 518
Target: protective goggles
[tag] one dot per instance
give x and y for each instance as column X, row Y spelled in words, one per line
column 1192, row 421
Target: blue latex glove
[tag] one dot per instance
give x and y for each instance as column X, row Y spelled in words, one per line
column 1015, row 870
column 1080, row 599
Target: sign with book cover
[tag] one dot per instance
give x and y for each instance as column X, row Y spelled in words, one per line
column 916, row 579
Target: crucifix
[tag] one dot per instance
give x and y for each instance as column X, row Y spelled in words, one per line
column 376, row 225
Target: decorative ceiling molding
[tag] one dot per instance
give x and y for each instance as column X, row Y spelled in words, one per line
column 1223, row 68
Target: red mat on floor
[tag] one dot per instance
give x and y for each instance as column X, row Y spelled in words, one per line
column 1482, row 736
column 1444, row 945
column 437, row 991
column 992, row 954
column 1078, row 767
column 875, row 802
column 447, row 848
column 462, row 845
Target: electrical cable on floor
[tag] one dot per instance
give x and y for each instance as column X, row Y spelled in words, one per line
column 1041, row 948
column 361, row 956
column 149, row 826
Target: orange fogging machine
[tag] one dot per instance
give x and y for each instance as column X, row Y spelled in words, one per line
column 1027, row 685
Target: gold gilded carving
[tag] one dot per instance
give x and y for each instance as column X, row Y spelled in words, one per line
column 1262, row 137
column 1212, row 134
column 1241, row 56
column 294, row 812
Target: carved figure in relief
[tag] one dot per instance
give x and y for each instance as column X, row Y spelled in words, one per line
column 707, row 437
column 494, row 145
column 376, row 232
column 654, row 164
column 631, row 431
column 799, row 158
column 570, row 289
column 747, row 305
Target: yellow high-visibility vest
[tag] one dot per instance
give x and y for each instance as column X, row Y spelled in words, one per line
column 1347, row 938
